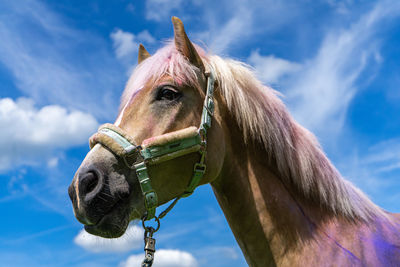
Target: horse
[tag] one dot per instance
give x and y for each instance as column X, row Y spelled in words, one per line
column 285, row 202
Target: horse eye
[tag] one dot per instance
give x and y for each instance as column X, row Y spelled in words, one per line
column 168, row 93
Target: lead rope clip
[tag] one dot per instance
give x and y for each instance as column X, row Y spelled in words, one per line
column 149, row 242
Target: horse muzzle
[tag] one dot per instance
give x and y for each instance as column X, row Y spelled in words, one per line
column 100, row 193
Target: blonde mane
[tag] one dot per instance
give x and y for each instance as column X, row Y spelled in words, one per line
column 263, row 118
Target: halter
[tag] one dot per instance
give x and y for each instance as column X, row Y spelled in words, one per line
column 160, row 149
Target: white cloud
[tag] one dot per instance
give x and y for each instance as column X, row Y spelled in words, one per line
column 224, row 31
column 146, row 37
column 132, row 239
column 233, row 30
column 51, row 62
column 271, row 69
column 160, row 10
column 29, row 135
column 326, row 86
column 320, row 90
column 126, row 45
column 130, row 8
column 341, row 6
column 223, row 28
column 207, row 254
column 385, row 156
column 376, row 171
column 53, row 162
column 164, row 258
column 230, row 28
column 224, row 251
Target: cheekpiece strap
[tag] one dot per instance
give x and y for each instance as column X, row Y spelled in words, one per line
column 208, row 107
column 150, row 196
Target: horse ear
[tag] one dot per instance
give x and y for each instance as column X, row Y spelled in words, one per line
column 142, row 54
column 184, row 46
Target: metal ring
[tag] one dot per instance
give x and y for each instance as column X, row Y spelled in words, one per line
column 147, row 228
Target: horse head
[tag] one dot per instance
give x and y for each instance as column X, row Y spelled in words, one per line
column 163, row 104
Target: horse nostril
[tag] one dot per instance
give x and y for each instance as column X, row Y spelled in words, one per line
column 90, row 184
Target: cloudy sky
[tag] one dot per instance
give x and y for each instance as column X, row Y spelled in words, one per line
column 63, row 66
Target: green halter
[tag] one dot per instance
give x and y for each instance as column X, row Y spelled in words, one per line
column 123, row 145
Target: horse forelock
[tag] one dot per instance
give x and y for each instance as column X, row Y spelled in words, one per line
column 166, row 61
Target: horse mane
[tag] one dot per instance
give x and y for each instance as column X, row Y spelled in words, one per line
column 264, row 119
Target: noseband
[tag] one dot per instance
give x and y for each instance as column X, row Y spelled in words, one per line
column 160, row 149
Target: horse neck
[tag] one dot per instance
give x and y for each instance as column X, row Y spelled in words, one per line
column 275, row 224
column 271, row 223
column 259, row 209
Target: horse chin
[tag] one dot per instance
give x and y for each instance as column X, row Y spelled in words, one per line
column 113, row 224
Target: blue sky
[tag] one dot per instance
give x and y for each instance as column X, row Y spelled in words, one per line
column 63, row 66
